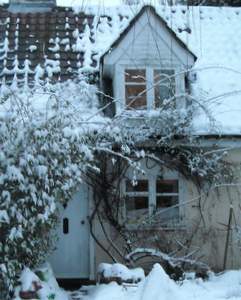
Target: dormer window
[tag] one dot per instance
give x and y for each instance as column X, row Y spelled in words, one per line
column 147, row 88
column 135, row 89
column 147, row 65
column 165, row 86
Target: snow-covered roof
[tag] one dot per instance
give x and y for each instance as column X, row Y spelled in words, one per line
column 58, row 44
column 67, row 41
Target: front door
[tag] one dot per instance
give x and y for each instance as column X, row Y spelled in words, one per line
column 71, row 258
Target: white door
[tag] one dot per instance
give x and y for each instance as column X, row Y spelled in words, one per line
column 71, row 258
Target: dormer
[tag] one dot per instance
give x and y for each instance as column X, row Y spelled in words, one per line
column 147, row 64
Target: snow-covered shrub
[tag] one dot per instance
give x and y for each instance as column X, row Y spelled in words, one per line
column 119, row 273
column 45, row 147
column 40, row 284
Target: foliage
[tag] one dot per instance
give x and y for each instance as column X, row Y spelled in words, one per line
column 52, row 137
column 43, row 156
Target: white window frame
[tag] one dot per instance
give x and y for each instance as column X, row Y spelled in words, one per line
column 129, row 83
column 119, row 83
column 152, row 177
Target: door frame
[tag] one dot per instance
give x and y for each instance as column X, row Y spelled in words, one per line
column 91, row 243
column 92, row 252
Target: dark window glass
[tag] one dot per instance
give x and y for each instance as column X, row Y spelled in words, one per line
column 141, row 186
column 166, row 201
column 135, row 89
column 136, row 203
column 164, row 81
column 167, row 186
column 136, row 96
column 135, row 76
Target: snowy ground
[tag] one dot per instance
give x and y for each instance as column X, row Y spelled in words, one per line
column 158, row 286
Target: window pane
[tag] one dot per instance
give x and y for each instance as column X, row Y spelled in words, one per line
column 167, row 186
column 136, row 96
column 164, row 85
column 166, row 201
column 136, row 203
column 142, row 186
column 137, row 76
column 168, row 216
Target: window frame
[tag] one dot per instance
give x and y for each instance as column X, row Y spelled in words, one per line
column 150, row 77
column 152, row 178
column 135, row 84
column 173, row 77
column 133, row 194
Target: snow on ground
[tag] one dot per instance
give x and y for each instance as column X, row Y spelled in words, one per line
column 158, row 286
column 119, row 270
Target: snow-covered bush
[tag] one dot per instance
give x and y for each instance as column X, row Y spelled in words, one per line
column 40, row 284
column 45, row 147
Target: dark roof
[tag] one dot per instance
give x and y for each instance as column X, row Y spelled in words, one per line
column 235, row 3
column 58, row 44
column 44, row 44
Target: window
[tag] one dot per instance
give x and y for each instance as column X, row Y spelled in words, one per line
column 152, row 196
column 164, row 86
column 136, row 198
column 147, row 88
column 167, row 196
column 135, row 89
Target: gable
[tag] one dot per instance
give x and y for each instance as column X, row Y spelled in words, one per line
column 148, row 40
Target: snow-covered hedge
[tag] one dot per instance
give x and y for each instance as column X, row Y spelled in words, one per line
column 44, row 150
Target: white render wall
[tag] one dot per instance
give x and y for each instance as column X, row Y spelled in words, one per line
column 208, row 224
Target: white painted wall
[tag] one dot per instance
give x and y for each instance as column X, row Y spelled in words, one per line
column 206, row 217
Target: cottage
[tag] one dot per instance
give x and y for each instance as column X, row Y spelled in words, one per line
column 140, row 56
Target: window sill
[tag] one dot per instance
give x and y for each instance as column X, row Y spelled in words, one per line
column 141, row 113
column 168, row 226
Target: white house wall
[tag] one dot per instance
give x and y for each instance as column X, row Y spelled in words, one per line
column 206, row 217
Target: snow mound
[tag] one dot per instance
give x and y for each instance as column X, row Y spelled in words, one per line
column 159, row 286
column 27, row 280
column 121, row 271
column 41, row 284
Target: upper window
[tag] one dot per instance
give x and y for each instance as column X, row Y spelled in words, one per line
column 135, row 89
column 148, row 87
column 164, row 81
